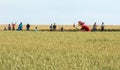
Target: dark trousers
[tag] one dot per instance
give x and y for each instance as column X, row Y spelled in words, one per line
column 102, row 28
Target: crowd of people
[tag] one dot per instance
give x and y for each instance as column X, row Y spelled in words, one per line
column 13, row 27
column 53, row 27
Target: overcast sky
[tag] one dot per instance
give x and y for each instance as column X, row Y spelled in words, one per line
column 60, row 11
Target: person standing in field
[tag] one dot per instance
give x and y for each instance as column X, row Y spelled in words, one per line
column 9, row 27
column 5, row 29
column 28, row 27
column 102, row 26
column 35, row 29
column 20, row 27
column 54, row 27
column 83, row 26
column 94, row 27
column 61, row 29
column 13, row 26
column 51, row 27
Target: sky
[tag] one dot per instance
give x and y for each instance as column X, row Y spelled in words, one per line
column 64, row 12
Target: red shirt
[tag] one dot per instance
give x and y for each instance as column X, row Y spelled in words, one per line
column 85, row 28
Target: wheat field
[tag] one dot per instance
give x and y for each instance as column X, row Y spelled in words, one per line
column 26, row 50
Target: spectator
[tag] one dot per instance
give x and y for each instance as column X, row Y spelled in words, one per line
column 102, row 26
column 20, row 26
column 94, row 27
column 62, row 28
column 54, row 27
column 35, row 29
column 13, row 26
column 9, row 27
column 51, row 27
column 28, row 27
column 5, row 29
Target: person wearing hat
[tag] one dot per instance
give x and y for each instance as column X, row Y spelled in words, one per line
column 83, row 26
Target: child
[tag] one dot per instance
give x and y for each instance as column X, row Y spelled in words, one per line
column 5, row 29
column 35, row 29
